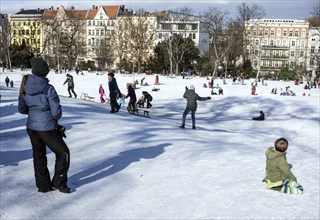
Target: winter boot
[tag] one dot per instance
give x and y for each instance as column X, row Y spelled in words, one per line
column 181, row 126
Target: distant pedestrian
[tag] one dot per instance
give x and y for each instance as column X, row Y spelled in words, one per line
column 70, row 82
column 11, row 83
column 40, row 101
column 7, row 81
column 192, row 98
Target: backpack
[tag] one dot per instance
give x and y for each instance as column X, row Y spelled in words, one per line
column 149, row 97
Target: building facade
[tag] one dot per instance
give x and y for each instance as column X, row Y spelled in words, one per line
column 313, row 52
column 26, row 29
column 274, row 44
column 171, row 23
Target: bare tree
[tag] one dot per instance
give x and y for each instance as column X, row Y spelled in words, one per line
column 245, row 13
column 5, row 43
column 119, row 41
column 141, row 32
column 216, row 23
column 177, row 24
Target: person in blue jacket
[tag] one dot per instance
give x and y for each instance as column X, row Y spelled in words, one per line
column 40, row 101
column 114, row 93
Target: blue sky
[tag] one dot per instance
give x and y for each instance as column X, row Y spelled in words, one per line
column 293, row 9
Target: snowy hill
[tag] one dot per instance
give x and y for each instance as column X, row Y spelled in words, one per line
column 129, row 167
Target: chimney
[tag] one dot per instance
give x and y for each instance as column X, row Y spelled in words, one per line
column 93, row 7
column 21, row 9
column 38, row 9
column 72, row 7
column 52, row 8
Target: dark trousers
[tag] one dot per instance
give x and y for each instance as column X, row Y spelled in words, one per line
column 71, row 89
column 132, row 104
column 193, row 117
column 52, row 139
column 113, row 102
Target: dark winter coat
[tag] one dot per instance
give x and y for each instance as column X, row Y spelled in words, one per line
column 113, row 88
column 41, row 103
column 192, row 98
column 132, row 95
column 277, row 167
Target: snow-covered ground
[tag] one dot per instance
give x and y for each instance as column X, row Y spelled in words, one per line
column 129, row 167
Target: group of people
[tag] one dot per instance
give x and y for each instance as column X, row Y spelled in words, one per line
column 8, row 82
column 40, row 101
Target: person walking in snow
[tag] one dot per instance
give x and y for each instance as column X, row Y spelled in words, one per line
column 40, row 101
column 192, row 98
column 114, row 93
column 133, row 98
column 7, row 81
column 70, row 82
column 101, row 92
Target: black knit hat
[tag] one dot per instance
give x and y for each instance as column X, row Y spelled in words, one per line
column 39, row 67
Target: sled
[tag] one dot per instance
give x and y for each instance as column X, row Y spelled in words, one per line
column 85, row 96
column 138, row 112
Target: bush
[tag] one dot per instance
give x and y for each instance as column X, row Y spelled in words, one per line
column 287, row 74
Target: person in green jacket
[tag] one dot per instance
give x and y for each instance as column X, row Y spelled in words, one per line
column 277, row 167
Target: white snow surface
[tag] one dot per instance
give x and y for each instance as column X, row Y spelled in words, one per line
column 129, row 167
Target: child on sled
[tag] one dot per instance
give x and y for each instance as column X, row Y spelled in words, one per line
column 278, row 174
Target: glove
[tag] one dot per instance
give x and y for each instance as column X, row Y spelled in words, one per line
column 208, row 97
column 62, row 130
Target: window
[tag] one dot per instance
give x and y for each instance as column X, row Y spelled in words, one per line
column 97, row 32
column 89, row 23
column 194, row 27
column 266, row 32
column 301, row 53
column 290, row 33
column 265, row 42
column 257, row 42
column 193, row 36
column 24, row 23
column 272, row 43
column 27, row 32
column 278, row 32
column 89, row 42
column 93, row 23
column 89, row 32
column 302, row 44
column 102, row 32
column 293, row 43
column 312, row 49
column 292, row 53
column 14, row 23
column 272, row 33
column 296, row 33
column 278, row 43
column 254, row 32
column 260, row 32
column 303, row 33
column 256, row 53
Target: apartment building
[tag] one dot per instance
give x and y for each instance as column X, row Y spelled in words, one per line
column 313, row 52
column 170, row 23
column 100, row 26
column 274, row 44
column 26, row 28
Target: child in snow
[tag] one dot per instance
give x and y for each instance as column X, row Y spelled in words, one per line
column 260, row 117
column 192, row 98
column 133, row 98
column 101, row 92
column 253, row 89
column 147, row 98
column 278, row 173
column 7, row 81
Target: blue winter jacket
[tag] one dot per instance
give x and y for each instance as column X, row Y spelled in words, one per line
column 41, row 103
